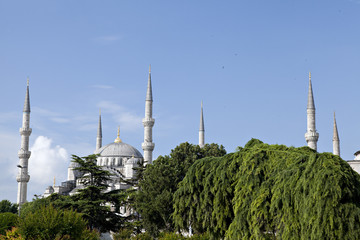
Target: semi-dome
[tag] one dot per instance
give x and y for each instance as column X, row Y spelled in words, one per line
column 118, row 149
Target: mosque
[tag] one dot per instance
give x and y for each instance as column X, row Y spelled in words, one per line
column 120, row 158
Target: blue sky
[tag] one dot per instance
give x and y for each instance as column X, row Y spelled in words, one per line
column 247, row 60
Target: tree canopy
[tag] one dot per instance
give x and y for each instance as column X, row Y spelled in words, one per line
column 50, row 223
column 93, row 201
column 7, row 206
column 270, row 192
column 98, row 206
column 154, row 198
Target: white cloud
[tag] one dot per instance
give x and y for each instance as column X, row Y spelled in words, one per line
column 10, row 145
column 127, row 119
column 47, row 162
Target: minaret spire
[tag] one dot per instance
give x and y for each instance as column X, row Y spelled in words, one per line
column 336, row 139
column 99, row 133
column 201, row 128
column 148, row 122
column 24, row 153
column 149, row 88
column 311, row 135
column 27, row 99
column 311, row 103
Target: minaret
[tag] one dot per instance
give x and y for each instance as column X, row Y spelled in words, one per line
column 99, row 134
column 148, row 122
column 311, row 135
column 24, row 153
column 201, row 128
column 336, row 140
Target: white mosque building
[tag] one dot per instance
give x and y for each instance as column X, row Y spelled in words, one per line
column 120, row 158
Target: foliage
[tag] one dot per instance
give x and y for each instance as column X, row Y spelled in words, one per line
column 142, row 236
column 8, row 220
column 12, row 234
column 33, row 206
column 7, row 206
column 270, row 192
column 171, row 236
column 203, row 236
column 124, row 233
column 50, row 223
column 93, row 201
column 154, row 200
column 207, row 186
column 56, row 200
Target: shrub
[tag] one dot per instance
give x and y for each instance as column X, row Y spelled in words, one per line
column 7, row 221
column 12, row 234
column 50, row 223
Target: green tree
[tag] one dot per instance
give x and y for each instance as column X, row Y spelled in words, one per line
column 154, row 199
column 50, row 223
column 34, row 205
column 204, row 197
column 7, row 206
column 270, row 192
column 8, row 220
column 93, row 201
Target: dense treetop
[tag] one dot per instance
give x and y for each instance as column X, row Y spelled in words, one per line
column 270, row 192
column 159, row 182
column 7, row 206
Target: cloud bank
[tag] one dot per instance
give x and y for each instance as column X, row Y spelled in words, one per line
column 47, row 162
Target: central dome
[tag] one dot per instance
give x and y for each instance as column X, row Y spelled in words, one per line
column 118, row 149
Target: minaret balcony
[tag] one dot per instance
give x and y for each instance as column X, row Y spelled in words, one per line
column 148, row 146
column 23, row 178
column 148, row 122
column 25, row 131
column 24, row 154
column 311, row 136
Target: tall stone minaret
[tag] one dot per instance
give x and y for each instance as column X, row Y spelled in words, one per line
column 99, row 134
column 311, row 135
column 201, row 128
column 336, row 140
column 24, row 153
column 148, row 122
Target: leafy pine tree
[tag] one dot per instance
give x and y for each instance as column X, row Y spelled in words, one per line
column 93, row 201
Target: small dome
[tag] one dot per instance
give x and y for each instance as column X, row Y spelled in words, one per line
column 118, row 149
